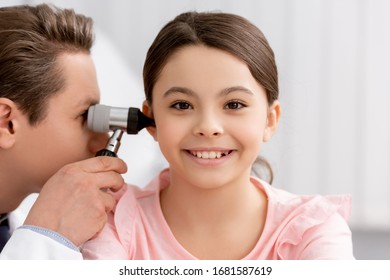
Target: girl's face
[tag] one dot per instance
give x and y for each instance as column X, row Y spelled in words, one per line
column 211, row 116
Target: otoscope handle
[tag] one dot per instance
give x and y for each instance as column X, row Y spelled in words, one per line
column 113, row 145
column 106, row 152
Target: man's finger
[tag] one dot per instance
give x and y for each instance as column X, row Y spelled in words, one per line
column 109, row 180
column 103, row 163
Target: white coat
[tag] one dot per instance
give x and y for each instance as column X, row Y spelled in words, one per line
column 26, row 244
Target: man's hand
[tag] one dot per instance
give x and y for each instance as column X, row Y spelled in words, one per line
column 74, row 202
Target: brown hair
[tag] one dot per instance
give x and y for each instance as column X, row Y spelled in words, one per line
column 227, row 32
column 31, row 40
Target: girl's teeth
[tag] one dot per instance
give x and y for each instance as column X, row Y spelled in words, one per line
column 208, row 155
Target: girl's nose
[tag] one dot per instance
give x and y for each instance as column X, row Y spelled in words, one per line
column 97, row 141
column 208, row 125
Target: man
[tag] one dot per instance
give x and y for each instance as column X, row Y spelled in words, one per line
column 47, row 83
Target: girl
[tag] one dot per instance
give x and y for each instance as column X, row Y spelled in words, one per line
column 211, row 86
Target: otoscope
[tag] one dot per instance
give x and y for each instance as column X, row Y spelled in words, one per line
column 103, row 118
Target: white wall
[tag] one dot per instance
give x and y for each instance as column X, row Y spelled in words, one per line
column 334, row 66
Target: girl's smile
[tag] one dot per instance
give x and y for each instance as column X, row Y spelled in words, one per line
column 210, row 156
column 210, row 153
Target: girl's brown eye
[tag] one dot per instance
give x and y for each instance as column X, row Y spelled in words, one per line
column 234, row 105
column 181, row 105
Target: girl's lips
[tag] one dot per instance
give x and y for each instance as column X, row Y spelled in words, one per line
column 209, row 157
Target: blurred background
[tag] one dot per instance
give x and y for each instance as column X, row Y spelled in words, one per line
column 334, row 73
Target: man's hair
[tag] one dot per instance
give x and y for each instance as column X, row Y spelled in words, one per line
column 31, row 40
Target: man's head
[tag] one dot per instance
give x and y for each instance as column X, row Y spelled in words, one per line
column 31, row 40
column 47, row 83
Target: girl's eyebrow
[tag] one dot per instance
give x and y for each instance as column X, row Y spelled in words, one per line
column 228, row 90
column 175, row 90
column 189, row 92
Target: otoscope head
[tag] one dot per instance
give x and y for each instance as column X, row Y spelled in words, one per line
column 103, row 118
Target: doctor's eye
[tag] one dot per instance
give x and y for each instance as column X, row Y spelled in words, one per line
column 84, row 116
column 181, row 105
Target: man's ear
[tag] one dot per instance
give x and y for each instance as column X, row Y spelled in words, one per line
column 8, row 111
column 272, row 120
column 147, row 110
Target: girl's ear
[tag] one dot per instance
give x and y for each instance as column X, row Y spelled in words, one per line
column 147, row 110
column 272, row 120
column 8, row 122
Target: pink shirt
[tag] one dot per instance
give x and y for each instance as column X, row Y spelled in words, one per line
column 296, row 227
